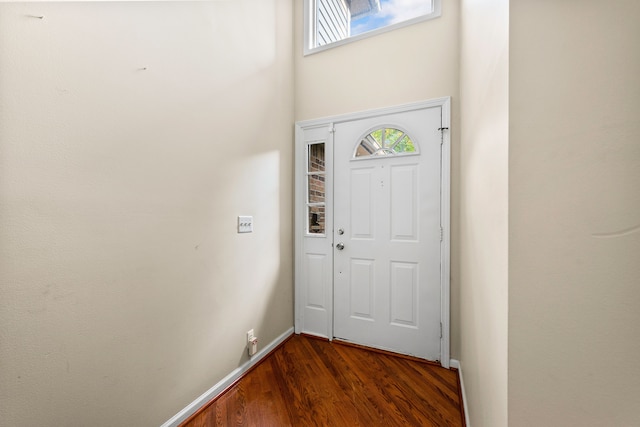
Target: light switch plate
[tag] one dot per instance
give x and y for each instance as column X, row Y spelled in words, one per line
column 245, row 224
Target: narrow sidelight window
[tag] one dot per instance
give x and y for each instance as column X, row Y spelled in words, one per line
column 316, row 202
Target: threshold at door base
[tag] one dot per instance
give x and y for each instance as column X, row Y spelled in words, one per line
column 386, row 352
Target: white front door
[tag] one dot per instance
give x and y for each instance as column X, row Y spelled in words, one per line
column 387, row 232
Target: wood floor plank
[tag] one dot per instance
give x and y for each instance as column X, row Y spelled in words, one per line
column 312, row 382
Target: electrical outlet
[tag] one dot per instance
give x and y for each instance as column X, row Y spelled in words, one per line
column 252, row 343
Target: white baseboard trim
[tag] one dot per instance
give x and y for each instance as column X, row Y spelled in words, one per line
column 191, row 408
column 456, row 364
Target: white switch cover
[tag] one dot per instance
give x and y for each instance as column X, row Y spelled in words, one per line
column 245, row 224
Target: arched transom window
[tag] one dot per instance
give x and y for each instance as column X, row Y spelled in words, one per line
column 385, row 141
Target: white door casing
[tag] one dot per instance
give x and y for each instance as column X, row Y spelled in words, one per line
column 315, row 253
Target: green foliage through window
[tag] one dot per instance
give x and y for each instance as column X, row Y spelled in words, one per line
column 385, row 142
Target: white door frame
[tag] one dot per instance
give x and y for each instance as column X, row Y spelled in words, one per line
column 314, row 253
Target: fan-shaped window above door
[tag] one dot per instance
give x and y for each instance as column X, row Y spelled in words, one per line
column 385, row 141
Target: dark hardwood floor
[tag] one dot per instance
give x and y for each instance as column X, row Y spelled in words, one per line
column 312, row 382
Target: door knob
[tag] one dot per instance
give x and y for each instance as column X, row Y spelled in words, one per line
column 340, row 246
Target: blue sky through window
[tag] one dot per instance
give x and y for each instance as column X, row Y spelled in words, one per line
column 391, row 12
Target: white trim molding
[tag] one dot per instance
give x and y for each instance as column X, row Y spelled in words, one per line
column 224, row 383
column 456, row 364
column 445, row 223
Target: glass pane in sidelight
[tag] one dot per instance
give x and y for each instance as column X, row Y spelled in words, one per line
column 316, row 219
column 316, row 157
column 316, row 189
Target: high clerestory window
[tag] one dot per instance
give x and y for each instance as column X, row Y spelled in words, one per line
column 330, row 23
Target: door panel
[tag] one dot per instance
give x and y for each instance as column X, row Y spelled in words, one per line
column 387, row 275
column 362, row 203
column 316, row 266
column 362, row 290
column 404, row 292
column 404, row 202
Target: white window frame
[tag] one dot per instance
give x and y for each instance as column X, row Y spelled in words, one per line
column 309, row 27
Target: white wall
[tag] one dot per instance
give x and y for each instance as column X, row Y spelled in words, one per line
column 125, row 291
column 484, row 146
column 415, row 63
column 574, row 205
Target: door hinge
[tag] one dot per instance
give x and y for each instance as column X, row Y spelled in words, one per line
column 441, row 234
column 440, row 329
column 442, row 129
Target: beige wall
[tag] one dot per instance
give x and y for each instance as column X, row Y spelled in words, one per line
column 415, row 63
column 574, row 205
column 484, row 80
column 125, row 291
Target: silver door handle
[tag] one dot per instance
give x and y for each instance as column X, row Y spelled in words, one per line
column 340, row 246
